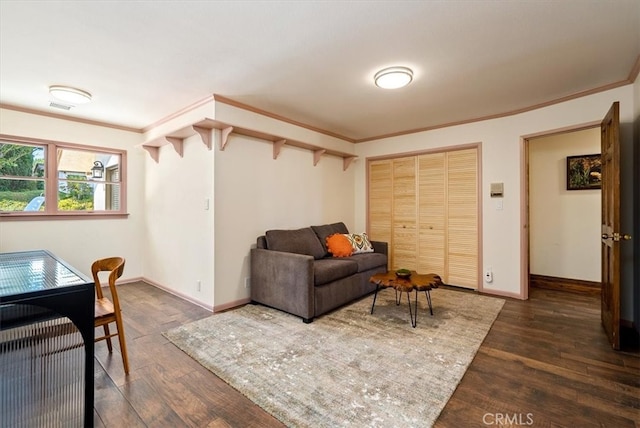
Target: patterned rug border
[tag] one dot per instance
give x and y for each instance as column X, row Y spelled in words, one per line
column 276, row 360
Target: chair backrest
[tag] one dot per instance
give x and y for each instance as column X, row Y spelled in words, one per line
column 115, row 265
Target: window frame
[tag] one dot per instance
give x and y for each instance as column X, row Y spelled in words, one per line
column 51, row 179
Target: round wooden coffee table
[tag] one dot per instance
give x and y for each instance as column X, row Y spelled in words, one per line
column 407, row 284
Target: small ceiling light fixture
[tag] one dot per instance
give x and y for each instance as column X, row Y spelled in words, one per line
column 69, row 95
column 393, row 77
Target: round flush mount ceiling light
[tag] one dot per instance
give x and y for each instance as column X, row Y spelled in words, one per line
column 69, row 95
column 393, row 77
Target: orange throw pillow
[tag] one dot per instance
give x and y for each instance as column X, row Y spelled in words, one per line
column 338, row 245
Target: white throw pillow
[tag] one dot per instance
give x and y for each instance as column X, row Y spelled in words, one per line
column 360, row 242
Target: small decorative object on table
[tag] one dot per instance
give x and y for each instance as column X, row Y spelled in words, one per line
column 403, row 273
column 406, row 281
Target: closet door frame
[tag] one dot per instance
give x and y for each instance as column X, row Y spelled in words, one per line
column 479, row 186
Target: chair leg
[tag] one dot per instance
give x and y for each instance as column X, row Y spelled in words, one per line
column 123, row 345
column 108, row 339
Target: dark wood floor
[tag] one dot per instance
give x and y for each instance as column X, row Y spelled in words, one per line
column 545, row 363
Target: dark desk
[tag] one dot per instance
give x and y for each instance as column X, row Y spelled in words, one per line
column 39, row 294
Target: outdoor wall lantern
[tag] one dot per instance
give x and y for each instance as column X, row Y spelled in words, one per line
column 98, row 170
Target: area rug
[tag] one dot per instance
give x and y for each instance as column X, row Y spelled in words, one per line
column 348, row 368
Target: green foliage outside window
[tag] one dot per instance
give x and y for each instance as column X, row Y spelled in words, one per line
column 77, row 196
column 18, row 160
column 16, row 201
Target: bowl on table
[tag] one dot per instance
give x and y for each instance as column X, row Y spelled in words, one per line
column 403, row 273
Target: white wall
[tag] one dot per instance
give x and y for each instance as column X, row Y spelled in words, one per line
column 249, row 193
column 80, row 242
column 255, row 193
column 501, row 162
column 564, row 225
column 178, row 230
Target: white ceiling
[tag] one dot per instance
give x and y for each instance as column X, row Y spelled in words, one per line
column 313, row 61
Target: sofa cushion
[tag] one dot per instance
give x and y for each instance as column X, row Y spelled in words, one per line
column 339, row 246
column 327, row 230
column 368, row 261
column 328, row 270
column 360, row 243
column 299, row 241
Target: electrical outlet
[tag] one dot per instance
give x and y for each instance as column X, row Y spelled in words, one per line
column 198, row 285
column 247, row 282
column 488, row 274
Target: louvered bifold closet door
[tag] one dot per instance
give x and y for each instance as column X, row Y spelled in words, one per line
column 431, row 213
column 380, row 201
column 462, row 218
column 426, row 208
column 404, row 248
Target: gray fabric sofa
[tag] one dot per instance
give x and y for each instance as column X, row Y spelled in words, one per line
column 291, row 270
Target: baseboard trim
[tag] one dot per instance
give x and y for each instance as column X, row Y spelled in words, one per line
column 130, row 280
column 494, row 292
column 178, row 294
column 218, row 308
column 578, row 286
column 231, row 305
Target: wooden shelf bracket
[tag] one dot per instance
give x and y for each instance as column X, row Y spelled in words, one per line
column 153, row 152
column 205, row 134
column 277, row 145
column 346, row 161
column 317, row 154
column 224, row 134
column 177, row 144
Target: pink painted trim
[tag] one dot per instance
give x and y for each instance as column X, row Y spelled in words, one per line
column 178, row 294
column 218, row 308
column 28, row 140
column 424, row 152
column 501, row 115
column 130, row 280
column 51, row 191
column 229, row 101
column 502, row 293
column 231, row 305
column 563, row 130
column 71, row 215
column 105, row 284
column 179, row 113
column 480, row 218
column 71, row 118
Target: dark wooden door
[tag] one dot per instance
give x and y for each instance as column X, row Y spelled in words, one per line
column 610, row 300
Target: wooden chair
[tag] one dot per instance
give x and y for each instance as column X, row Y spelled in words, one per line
column 107, row 311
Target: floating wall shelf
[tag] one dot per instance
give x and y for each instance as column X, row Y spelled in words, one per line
column 205, row 128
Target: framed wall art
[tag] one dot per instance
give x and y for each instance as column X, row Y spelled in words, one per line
column 584, row 172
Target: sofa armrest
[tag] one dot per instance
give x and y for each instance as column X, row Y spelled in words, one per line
column 380, row 247
column 284, row 281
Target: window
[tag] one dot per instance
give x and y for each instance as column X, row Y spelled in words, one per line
column 45, row 178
